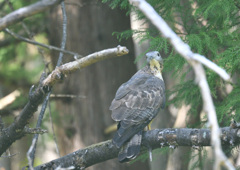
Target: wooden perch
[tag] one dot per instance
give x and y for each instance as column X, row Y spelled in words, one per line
column 157, row 138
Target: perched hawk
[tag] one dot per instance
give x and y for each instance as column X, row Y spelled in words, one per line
column 136, row 103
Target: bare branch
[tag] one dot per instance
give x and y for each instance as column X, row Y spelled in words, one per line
column 10, row 155
column 67, row 96
column 32, row 149
column 16, row 130
column 25, row 12
column 53, row 132
column 83, row 62
column 64, row 38
column 201, row 59
column 50, row 47
column 195, row 60
column 157, row 138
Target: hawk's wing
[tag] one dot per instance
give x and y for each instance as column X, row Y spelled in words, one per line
column 136, row 103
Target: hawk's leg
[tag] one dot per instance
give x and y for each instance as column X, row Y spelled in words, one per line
column 149, row 126
column 149, row 147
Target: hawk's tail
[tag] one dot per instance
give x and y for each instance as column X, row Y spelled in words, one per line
column 131, row 149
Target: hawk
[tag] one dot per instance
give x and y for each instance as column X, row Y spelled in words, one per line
column 136, row 104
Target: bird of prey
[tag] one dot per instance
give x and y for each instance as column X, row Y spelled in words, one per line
column 136, row 104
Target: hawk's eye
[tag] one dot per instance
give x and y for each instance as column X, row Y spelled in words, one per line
column 158, row 54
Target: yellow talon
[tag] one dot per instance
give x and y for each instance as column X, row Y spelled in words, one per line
column 149, row 125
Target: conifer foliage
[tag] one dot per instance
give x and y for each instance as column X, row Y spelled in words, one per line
column 211, row 28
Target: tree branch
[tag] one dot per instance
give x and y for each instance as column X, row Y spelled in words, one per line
column 50, row 47
column 157, row 138
column 70, row 67
column 16, row 130
column 196, row 61
column 32, row 150
column 34, row 130
column 25, row 12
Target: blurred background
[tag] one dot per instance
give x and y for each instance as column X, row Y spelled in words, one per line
column 79, row 105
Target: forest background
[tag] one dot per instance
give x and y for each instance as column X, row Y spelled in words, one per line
column 78, row 111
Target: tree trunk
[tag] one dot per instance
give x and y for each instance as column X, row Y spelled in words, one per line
column 82, row 120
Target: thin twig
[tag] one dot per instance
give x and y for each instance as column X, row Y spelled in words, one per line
column 30, row 35
column 10, row 4
column 50, row 47
column 40, row 50
column 29, row 153
column 53, row 131
column 59, row 62
column 32, row 149
column 10, row 156
column 37, row 130
column 67, row 96
column 195, row 60
column 64, row 38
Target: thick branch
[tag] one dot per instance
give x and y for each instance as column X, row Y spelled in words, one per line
column 16, row 130
column 25, row 12
column 155, row 138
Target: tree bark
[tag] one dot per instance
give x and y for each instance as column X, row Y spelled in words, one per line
column 158, row 138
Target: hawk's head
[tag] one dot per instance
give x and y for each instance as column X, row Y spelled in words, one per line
column 155, row 61
column 154, row 55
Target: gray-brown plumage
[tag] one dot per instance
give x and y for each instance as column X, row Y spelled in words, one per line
column 136, row 103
